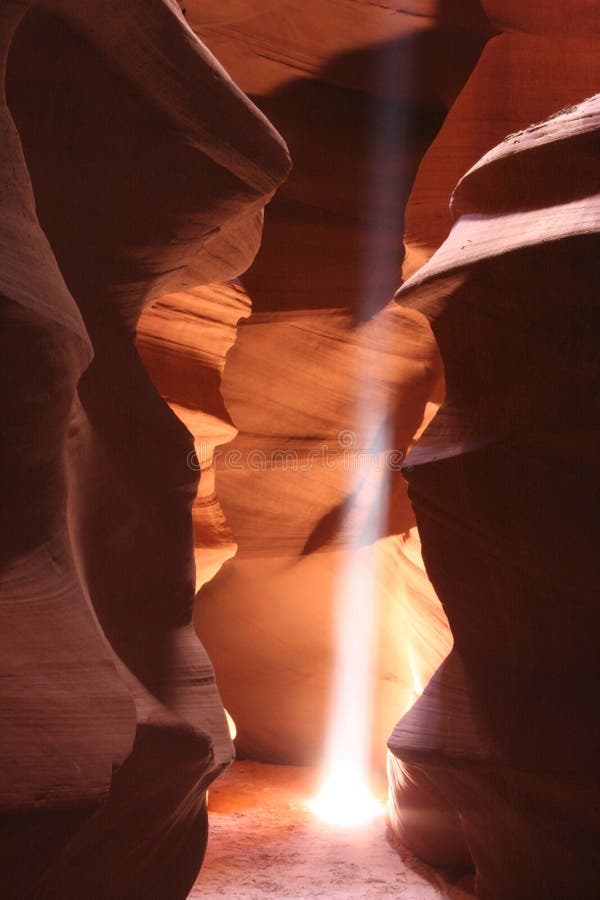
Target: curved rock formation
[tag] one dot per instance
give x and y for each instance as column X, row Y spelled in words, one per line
column 521, row 77
column 503, row 484
column 183, row 340
column 315, row 497
column 318, row 85
column 136, row 177
column 126, row 176
column 359, row 90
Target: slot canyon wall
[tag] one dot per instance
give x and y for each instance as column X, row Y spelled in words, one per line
column 124, row 177
column 359, row 104
column 500, row 750
column 301, row 384
column 329, row 91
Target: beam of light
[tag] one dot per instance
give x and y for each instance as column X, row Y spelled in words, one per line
column 345, row 798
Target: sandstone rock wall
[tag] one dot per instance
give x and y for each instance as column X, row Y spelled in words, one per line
column 134, row 175
column 128, row 154
column 497, row 758
column 360, row 91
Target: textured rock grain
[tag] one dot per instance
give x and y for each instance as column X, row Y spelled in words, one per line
column 360, row 91
column 120, row 169
column 505, row 490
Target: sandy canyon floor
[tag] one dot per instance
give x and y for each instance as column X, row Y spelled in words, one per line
column 265, row 843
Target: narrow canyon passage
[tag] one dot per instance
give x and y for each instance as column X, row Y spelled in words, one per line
column 299, row 409
column 265, row 843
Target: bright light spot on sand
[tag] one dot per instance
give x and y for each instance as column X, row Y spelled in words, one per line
column 346, row 801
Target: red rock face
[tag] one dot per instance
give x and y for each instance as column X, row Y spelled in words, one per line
column 503, row 735
column 360, row 91
column 114, row 726
column 134, row 178
column 519, row 79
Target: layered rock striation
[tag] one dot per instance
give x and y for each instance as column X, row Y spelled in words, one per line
column 327, row 377
column 496, row 759
column 134, row 178
column 132, row 166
